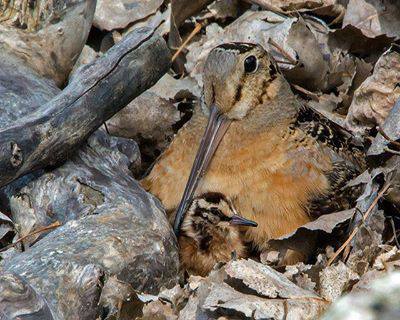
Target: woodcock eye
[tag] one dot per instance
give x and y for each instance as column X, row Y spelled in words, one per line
column 250, row 64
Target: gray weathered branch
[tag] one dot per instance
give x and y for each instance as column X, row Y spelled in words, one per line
column 96, row 92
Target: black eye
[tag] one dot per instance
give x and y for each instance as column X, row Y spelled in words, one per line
column 250, row 64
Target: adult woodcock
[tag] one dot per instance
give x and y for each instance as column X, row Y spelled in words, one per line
column 250, row 139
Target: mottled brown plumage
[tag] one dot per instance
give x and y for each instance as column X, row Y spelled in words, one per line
column 274, row 162
column 210, row 234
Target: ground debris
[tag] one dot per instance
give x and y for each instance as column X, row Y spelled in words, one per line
column 113, row 255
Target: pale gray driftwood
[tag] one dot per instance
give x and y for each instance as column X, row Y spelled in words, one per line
column 96, row 92
column 111, row 227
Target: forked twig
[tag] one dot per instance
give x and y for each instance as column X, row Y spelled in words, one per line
column 357, row 228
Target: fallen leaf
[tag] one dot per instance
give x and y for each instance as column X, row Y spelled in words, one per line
column 224, row 300
column 324, row 225
column 264, row 280
column 374, row 17
column 252, row 26
column 382, row 260
column 117, row 14
column 380, row 302
column 335, row 280
column 376, row 96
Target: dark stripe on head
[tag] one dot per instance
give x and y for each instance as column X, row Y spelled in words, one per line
column 213, row 197
column 237, row 46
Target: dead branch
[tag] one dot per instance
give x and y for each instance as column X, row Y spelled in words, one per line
column 95, row 93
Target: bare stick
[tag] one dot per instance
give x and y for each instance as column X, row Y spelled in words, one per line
column 40, row 230
column 356, row 229
column 383, row 133
column 195, row 31
column 282, row 51
column 95, row 93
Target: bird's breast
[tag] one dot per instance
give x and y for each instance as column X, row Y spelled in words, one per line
column 269, row 175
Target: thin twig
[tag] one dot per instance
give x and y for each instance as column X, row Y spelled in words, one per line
column 40, row 230
column 357, row 228
column 281, row 50
column 285, row 62
column 383, row 133
column 312, row 95
column 394, row 232
column 196, row 30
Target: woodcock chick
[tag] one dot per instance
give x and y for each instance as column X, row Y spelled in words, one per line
column 252, row 141
column 210, row 234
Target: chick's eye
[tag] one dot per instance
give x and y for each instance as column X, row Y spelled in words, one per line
column 250, row 64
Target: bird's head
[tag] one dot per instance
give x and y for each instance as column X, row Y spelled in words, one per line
column 236, row 77
column 212, row 216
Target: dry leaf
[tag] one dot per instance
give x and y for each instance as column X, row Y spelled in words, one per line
column 378, row 93
column 264, row 280
column 326, row 224
column 374, row 17
column 380, row 302
column 336, row 279
column 224, row 300
column 117, row 14
column 312, row 67
column 254, row 27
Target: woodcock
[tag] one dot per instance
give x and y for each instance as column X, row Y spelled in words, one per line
column 210, row 234
column 251, row 140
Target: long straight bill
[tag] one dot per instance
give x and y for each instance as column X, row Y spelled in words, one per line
column 216, row 128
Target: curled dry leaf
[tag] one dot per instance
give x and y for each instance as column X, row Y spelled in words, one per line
column 384, row 258
column 378, row 93
column 224, row 300
column 389, row 131
column 374, row 17
column 258, row 291
column 312, row 67
column 252, row 26
column 264, row 280
column 180, row 11
column 116, row 14
column 152, row 119
column 325, row 224
column 242, row 288
column 160, row 21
